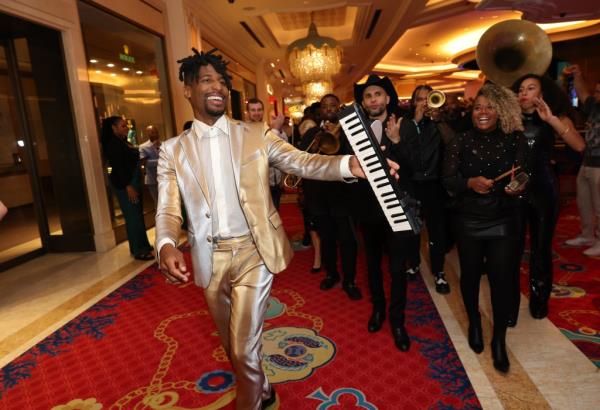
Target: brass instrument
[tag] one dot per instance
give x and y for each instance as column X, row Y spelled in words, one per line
column 435, row 99
column 511, row 49
column 324, row 142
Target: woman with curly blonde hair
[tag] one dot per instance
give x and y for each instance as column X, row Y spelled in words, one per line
column 485, row 217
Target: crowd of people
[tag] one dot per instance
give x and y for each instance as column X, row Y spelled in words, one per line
column 463, row 163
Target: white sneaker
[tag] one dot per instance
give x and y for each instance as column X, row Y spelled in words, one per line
column 580, row 241
column 593, row 251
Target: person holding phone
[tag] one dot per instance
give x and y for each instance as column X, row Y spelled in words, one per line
column 485, row 217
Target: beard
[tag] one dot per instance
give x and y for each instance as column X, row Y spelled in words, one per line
column 376, row 112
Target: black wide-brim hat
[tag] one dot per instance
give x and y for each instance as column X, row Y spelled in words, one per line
column 383, row 82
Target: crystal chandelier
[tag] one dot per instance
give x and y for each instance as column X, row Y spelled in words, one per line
column 314, row 58
column 314, row 90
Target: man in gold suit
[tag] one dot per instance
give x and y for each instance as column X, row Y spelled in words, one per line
column 220, row 170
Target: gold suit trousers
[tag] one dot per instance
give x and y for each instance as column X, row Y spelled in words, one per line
column 237, row 299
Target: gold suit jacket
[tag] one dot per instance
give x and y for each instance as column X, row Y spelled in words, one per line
column 253, row 149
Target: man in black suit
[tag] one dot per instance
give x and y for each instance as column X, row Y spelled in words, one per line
column 330, row 202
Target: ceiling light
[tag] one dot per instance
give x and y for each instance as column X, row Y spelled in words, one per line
column 125, row 68
column 111, row 65
column 113, row 75
column 314, row 58
column 98, row 71
column 93, row 60
column 273, row 65
column 138, row 72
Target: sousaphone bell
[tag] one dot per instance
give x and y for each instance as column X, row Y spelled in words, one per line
column 512, row 48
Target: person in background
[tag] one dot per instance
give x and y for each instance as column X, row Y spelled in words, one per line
column 422, row 144
column 149, row 157
column 256, row 113
column 544, row 107
column 588, row 178
column 486, row 214
column 125, row 179
column 3, row 210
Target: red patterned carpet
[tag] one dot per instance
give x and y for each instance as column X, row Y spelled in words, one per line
column 575, row 302
column 149, row 345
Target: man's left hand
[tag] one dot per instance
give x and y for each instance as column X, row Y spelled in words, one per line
column 358, row 172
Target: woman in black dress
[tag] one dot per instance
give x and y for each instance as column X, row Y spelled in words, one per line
column 485, row 216
column 544, row 106
column 126, row 183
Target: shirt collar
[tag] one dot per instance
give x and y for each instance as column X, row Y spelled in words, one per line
column 203, row 129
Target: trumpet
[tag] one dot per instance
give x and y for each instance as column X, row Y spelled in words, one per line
column 435, row 99
column 324, row 142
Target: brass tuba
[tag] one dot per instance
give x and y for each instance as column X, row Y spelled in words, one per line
column 324, row 142
column 511, row 49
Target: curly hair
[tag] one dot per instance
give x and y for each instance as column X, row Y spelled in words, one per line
column 506, row 104
column 190, row 66
column 555, row 97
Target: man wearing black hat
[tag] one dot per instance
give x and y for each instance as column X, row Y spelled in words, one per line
column 378, row 98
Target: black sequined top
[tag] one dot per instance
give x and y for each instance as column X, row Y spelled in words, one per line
column 475, row 153
column 540, row 144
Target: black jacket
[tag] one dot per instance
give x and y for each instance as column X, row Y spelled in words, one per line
column 421, row 145
column 123, row 158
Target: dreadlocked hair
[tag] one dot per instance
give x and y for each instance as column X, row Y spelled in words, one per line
column 190, row 66
column 506, row 104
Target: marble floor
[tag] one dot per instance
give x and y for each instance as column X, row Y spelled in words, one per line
column 547, row 371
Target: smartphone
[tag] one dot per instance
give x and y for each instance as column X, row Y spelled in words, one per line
column 520, row 179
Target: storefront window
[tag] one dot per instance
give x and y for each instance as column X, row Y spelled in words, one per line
column 127, row 74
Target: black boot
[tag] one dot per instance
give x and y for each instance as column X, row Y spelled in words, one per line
column 538, row 307
column 476, row 336
column 538, row 298
column 499, row 355
column 376, row 320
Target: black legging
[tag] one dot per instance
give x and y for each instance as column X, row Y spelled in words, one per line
column 496, row 258
column 433, row 201
column 377, row 235
column 334, row 229
column 540, row 212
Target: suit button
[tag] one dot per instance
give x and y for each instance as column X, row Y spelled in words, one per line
column 209, row 238
column 207, row 214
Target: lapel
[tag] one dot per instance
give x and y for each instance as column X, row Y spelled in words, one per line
column 236, row 141
column 191, row 148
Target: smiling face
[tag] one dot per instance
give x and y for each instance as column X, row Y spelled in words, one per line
column 529, row 90
column 208, row 95
column 485, row 116
column 330, row 106
column 375, row 101
column 256, row 112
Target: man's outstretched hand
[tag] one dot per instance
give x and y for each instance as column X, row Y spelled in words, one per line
column 172, row 265
column 358, row 172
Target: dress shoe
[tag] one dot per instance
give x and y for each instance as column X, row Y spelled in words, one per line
column 329, row 282
column 352, row 291
column 411, row 273
column 499, row 355
column 315, row 270
column 144, row 257
column 376, row 321
column 441, row 285
column 476, row 337
column 401, row 338
column 266, row 403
